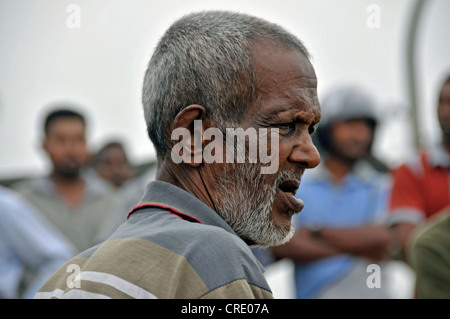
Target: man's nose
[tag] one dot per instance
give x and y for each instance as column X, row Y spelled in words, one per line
column 305, row 153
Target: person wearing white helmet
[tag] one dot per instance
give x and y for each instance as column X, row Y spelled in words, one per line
column 340, row 232
column 349, row 103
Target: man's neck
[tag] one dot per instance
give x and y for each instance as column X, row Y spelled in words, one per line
column 338, row 167
column 188, row 178
column 63, row 179
column 70, row 188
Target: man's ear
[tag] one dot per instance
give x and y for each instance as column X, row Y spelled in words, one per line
column 189, row 126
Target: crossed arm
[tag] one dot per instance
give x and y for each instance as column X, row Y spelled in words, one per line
column 371, row 242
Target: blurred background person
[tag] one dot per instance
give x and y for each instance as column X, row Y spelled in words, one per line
column 111, row 163
column 30, row 249
column 340, row 231
column 127, row 197
column 421, row 186
column 76, row 203
column 429, row 255
column 130, row 183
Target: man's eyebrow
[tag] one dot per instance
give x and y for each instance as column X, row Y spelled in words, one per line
column 286, row 115
column 274, row 113
column 310, row 117
column 314, row 117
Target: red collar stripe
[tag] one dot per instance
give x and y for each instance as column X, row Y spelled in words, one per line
column 170, row 209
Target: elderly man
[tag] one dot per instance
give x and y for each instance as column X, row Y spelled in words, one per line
column 189, row 237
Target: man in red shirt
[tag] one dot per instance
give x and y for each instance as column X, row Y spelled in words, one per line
column 421, row 186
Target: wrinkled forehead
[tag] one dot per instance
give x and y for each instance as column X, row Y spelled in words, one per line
column 285, row 81
column 275, row 64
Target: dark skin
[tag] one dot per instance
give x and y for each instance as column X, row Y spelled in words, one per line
column 443, row 111
column 65, row 144
column 112, row 165
column 351, row 140
column 287, row 101
column 404, row 230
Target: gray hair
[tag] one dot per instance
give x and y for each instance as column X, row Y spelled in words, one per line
column 206, row 58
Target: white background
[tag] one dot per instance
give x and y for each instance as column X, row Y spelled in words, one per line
column 101, row 65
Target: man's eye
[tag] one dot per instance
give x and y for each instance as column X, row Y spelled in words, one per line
column 312, row 129
column 287, row 127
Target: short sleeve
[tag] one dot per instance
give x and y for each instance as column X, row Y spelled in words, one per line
column 407, row 202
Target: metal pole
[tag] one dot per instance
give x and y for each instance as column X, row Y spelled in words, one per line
column 411, row 74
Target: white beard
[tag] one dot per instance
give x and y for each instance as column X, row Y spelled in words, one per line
column 246, row 204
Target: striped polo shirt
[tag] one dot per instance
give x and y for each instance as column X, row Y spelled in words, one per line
column 172, row 246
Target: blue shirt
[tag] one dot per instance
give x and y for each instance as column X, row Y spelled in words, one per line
column 26, row 242
column 361, row 198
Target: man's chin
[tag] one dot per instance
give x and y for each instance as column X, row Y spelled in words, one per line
column 286, row 238
column 69, row 173
column 277, row 239
column 282, row 212
column 272, row 236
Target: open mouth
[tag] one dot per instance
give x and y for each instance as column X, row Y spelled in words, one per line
column 288, row 188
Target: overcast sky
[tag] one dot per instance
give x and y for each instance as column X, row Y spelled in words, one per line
column 45, row 56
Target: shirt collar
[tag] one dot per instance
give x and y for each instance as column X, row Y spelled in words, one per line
column 163, row 194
